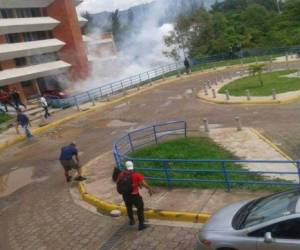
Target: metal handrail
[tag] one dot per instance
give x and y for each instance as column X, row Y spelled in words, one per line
column 126, row 144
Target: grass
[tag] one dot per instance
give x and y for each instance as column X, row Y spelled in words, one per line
column 5, row 118
column 195, row 149
column 274, row 80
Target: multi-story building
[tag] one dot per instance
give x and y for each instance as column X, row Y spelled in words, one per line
column 40, row 44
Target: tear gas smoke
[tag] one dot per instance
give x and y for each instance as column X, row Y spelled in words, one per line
column 138, row 53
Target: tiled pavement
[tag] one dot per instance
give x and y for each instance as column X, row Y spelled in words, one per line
column 42, row 215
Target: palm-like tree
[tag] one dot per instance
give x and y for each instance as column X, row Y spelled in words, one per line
column 257, row 69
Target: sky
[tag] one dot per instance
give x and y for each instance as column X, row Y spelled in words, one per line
column 95, row 6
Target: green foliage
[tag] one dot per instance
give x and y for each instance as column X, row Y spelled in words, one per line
column 4, row 118
column 257, row 69
column 275, row 80
column 232, row 25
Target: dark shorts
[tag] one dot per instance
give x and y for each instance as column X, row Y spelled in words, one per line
column 69, row 164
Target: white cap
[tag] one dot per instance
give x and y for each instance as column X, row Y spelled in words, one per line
column 129, row 165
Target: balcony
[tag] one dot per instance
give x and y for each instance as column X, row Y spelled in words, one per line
column 19, row 25
column 15, row 50
column 82, row 21
column 15, row 4
column 15, row 75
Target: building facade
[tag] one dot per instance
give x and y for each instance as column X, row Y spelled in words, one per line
column 40, row 44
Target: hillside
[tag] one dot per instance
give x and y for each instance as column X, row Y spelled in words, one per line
column 170, row 8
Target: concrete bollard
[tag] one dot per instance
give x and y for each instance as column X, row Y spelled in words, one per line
column 238, row 123
column 214, row 93
column 205, row 90
column 274, row 94
column 93, row 101
column 205, row 123
column 208, row 84
column 227, row 94
column 216, row 80
column 287, row 60
column 248, row 95
column 194, row 92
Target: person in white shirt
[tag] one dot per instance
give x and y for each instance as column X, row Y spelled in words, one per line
column 44, row 105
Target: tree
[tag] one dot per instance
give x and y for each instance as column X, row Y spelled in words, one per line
column 257, row 69
column 88, row 27
column 130, row 17
column 178, row 40
column 115, row 25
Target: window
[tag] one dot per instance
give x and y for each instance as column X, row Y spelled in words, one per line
column 289, row 229
column 44, row 58
column 266, row 209
column 34, row 36
column 21, row 61
column 6, row 13
column 13, row 38
column 33, row 12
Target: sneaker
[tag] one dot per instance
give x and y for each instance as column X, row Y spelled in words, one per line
column 131, row 222
column 80, row 178
column 143, row 226
column 69, row 178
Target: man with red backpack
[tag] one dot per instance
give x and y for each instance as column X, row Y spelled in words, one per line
column 128, row 184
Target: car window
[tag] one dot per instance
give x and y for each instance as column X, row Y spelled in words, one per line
column 289, row 229
column 272, row 207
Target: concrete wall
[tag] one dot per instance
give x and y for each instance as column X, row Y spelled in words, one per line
column 69, row 32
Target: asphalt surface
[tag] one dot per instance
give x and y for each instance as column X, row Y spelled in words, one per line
column 41, row 213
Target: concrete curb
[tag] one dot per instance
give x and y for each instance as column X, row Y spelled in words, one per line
column 106, row 208
column 266, row 140
column 262, row 102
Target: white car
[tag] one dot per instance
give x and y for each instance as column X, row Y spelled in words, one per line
column 268, row 223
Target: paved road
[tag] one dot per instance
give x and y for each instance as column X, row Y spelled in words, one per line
column 40, row 214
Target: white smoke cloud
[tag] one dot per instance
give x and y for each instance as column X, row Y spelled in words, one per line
column 139, row 53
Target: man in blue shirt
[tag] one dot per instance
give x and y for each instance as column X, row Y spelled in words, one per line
column 68, row 163
column 23, row 121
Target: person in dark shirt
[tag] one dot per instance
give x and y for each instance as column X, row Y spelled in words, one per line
column 68, row 163
column 187, row 65
column 5, row 99
column 24, row 122
column 15, row 96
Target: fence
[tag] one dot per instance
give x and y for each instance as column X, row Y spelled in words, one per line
column 110, row 89
column 201, row 173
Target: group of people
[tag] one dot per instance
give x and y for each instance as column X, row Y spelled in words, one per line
column 128, row 182
column 12, row 99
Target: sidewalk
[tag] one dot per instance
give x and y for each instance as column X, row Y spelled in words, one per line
column 245, row 144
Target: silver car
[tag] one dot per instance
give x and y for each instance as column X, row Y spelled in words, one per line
column 268, row 223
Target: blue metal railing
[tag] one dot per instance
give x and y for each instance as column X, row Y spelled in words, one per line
column 227, row 173
column 105, row 91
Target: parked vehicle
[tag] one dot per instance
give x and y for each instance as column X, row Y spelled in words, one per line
column 54, row 94
column 268, row 223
